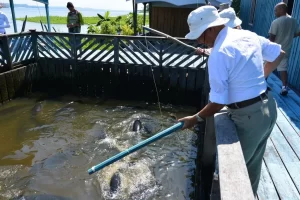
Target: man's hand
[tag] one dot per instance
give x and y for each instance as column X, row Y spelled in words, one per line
column 189, row 121
column 71, row 25
column 200, row 51
column 272, row 37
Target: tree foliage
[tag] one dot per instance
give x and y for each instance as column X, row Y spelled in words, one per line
column 236, row 6
column 121, row 25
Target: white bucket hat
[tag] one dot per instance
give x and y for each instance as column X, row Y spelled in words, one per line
column 229, row 13
column 201, row 19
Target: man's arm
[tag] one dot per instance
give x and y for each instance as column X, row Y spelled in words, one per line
column 271, row 53
column 68, row 21
column 271, row 66
column 81, row 19
column 273, row 31
column 218, row 79
column 272, row 37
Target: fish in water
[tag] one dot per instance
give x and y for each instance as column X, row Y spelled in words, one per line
column 115, row 182
column 36, row 109
column 67, row 109
column 127, row 180
column 97, row 132
column 137, row 125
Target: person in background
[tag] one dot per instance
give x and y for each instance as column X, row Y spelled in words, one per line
column 237, row 81
column 74, row 23
column 4, row 23
column 74, row 19
column 234, row 21
column 282, row 31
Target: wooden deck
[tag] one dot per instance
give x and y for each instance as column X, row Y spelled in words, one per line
column 281, row 167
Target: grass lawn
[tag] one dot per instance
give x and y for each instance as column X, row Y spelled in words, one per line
column 63, row 20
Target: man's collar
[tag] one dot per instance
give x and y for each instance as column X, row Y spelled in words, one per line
column 222, row 32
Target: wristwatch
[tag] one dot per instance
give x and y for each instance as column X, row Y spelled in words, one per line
column 199, row 119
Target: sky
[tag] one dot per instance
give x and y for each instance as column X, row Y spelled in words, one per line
column 97, row 4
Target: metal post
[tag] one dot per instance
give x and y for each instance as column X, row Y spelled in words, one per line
column 48, row 17
column 144, row 22
column 116, row 51
column 34, row 44
column 12, row 7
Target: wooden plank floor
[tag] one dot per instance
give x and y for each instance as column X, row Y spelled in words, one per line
column 280, row 178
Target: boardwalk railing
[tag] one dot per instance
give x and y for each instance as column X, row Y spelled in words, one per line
column 231, row 180
column 137, row 50
column 95, row 65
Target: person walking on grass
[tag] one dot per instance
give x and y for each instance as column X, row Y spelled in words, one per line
column 237, row 81
column 282, row 31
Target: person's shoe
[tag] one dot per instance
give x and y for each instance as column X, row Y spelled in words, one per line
column 284, row 91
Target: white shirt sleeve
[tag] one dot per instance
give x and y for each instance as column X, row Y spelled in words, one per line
column 270, row 50
column 218, row 69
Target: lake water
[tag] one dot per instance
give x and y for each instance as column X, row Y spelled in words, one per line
column 40, row 11
column 48, row 146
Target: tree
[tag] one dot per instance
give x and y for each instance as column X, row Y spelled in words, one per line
column 236, row 6
column 104, row 18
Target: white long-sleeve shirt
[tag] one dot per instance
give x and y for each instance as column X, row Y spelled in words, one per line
column 235, row 65
column 4, row 23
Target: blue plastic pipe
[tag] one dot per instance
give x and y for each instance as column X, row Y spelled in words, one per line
column 136, row 147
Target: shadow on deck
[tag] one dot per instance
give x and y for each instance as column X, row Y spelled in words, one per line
column 280, row 178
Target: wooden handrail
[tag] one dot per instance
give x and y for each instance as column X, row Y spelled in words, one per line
column 137, row 50
column 233, row 175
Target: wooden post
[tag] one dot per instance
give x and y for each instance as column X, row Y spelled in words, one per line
column 116, row 51
column 34, row 44
column 161, row 47
column 6, row 52
column 233, row 175
column 134, row 17
column 73, row 47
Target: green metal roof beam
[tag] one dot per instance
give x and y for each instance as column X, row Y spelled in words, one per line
column 12, row 8
column 46, row 2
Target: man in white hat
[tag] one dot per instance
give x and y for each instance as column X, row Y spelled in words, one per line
column 234, row 21
column 237, row 80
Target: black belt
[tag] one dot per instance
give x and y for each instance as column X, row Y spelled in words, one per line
column 248, row 102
